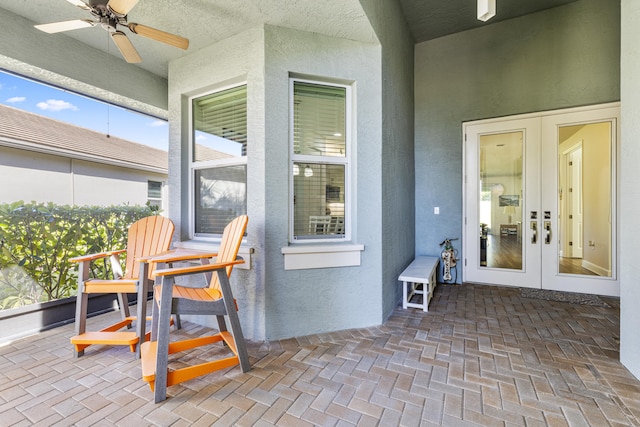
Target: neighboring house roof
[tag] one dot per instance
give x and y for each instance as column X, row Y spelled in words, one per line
column 205, row 153
column 29, row 131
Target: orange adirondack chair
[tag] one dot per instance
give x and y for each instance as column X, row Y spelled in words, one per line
column 216, row 299
column 146, row 237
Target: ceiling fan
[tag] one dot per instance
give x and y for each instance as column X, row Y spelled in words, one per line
column 109, row 14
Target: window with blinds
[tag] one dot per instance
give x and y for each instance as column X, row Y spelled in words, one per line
column 218, row 160
column 319, row 160
column 154, row 194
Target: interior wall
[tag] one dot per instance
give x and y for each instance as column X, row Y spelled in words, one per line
column 629, row 189
column 548, row 60
column 596, row 192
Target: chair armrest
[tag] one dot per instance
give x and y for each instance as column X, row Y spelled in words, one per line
column 183, row 271
column 176, row 255
column 91, row 257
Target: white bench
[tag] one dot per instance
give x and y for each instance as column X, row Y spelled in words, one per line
column 419, row 278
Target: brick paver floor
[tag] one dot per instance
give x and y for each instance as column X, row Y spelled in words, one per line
column 482, row 355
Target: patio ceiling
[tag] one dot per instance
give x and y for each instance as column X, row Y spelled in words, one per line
column 204, row 22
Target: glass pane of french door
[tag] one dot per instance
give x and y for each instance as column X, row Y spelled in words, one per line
column 584, row 199
column 501, row 158
column 501, row 164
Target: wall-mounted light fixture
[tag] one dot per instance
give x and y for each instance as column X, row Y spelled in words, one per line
column 296, row 169
column 486, row 9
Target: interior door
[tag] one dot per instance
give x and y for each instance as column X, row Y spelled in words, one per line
column 540, row 200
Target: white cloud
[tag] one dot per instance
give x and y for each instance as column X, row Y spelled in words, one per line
column 158, row 123
column 16, row 99
column 200, row 138
column 56, row 105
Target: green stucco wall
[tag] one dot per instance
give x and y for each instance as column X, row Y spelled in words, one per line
column 562, row 57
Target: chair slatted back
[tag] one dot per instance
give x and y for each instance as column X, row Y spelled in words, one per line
column 148, row 236
column 230, row 245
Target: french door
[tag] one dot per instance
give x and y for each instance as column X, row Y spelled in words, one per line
column 540, row 200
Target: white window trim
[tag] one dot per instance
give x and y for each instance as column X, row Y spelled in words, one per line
column 302, row 257
column 302, row 254
column 301, row 158
column 194, row 166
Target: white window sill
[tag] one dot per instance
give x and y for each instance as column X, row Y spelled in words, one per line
column 302, row 256
column 212, row 245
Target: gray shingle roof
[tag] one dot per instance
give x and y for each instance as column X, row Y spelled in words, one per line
column 30, row 131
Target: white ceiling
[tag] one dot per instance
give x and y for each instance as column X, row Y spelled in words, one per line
column 204, row 22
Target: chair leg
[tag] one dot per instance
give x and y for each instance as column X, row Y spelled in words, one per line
column 234, row 321
column 82, row 300
column 141, row 309
column 155, row 308
column 222, row 325
column 163, row 325
column 123, row 303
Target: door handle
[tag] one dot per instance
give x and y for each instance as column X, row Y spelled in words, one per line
column 534, row 237
column 547, row 235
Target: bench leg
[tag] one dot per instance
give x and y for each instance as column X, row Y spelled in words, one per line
column 405, row 294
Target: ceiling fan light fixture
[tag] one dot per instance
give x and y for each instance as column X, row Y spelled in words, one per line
column 486, row 9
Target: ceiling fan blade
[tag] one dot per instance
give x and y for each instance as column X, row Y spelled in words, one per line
column 121, row 7
column 57, row 27
column 125, row 47
column 80, row 4
column 158, row 35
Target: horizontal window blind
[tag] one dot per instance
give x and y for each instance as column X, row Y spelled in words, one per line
column 220, row 124
column 319, row 119
column 318, row 201
column 221, row 195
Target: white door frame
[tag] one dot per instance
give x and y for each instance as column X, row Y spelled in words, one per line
column 598, row 285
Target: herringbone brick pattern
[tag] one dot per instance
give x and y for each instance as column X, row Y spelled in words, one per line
column 483, row 355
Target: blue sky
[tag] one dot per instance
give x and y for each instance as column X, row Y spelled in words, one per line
column 81, row 111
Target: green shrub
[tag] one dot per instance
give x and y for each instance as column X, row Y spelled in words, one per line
column 37, row 239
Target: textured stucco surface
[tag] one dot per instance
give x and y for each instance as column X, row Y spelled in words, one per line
column 301, row 302
column 629, row 189
column 231, row 61
column 397, row 176
column 202, row 22
column 549, row 60
column 276, row 303
column 65, row 62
